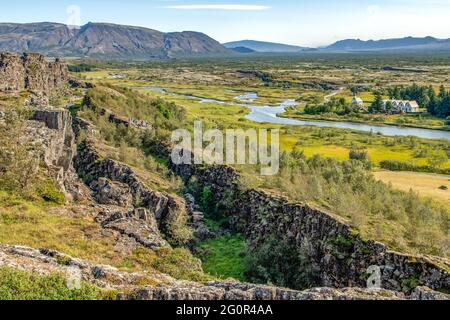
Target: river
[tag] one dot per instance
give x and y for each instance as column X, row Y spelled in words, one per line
column 269, row 114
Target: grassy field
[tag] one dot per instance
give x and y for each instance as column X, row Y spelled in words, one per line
column 427, row 185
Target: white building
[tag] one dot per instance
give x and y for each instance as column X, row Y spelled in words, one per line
column 357, row 101
column 403, row 106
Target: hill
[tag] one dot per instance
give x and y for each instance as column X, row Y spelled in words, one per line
column 260, row 46
column 408, row 43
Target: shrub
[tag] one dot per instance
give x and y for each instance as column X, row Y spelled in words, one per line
column 279, row 262
column 180, row 264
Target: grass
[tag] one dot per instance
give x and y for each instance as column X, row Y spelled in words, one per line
column 427, row 185
column 21, row 285
column 223, row 257
column 73, row 231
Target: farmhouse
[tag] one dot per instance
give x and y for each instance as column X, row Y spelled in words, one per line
column 357, row 101
column 401, row 106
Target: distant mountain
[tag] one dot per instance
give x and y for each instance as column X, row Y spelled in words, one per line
column 268, row 47
column 408, row 43
column 104, row 40
column 243, row 50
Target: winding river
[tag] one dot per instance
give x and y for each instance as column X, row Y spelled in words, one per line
column 269, row 114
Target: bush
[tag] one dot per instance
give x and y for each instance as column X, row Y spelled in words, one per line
column 180, row 264
column 280, row 262
column 50, row 192
column 393, row 165
column 402, row 220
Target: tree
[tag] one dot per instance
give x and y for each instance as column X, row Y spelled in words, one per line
column 377, row 105
column 433, row 102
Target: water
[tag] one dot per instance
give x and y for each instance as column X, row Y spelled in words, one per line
column 268, row 114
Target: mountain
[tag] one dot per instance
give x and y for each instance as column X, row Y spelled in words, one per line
column 408, row 43
column 104, row 40
column 267, row 47
column 243, row 50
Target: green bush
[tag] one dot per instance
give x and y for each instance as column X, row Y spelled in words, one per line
column 49, row 192
column 180, row 264
column 279, row 262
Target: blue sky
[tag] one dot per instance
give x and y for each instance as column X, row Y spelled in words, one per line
column 308, row 23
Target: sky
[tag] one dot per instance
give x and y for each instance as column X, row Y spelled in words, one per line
column 299, row 22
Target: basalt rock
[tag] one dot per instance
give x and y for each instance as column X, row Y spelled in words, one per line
column 53, row 129
column 342, row 258
column 170, row 211
column 129, row 284
column 112, row 193
column 32, row 72
column 139, row 224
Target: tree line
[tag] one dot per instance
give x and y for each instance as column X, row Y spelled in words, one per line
column 436, row 103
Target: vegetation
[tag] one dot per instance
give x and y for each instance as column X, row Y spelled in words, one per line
column 426, row 97
column 402, row 220
column 21, row 285
column 278, row 262
column 224, row 257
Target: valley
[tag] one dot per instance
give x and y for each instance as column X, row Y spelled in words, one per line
column 353, row 196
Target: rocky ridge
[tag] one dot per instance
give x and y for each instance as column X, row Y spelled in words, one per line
column 31, row 71
column 341, row 256
column 129, row 285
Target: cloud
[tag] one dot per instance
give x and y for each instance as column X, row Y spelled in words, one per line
column 235, row 7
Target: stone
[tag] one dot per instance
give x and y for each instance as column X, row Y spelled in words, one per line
column 32, row 72
column 138, row 224
column 112, row 193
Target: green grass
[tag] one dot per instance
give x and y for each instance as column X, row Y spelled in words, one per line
column 223, row 257
column 21, row 285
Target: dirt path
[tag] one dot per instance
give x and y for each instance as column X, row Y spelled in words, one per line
column 335, row 93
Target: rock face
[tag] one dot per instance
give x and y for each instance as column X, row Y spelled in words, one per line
column 170, row 211
column 139, row 224
column 341, row 256
column 53, row 129
column 112, row 193
column 104, row 40
column 46, row 262
column 32, row 72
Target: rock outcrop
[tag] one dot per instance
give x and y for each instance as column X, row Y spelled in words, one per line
column 338, row 252
column 138, row 224
column 53, row 129
column 32, row 72
column 169, row 210
column 163, row 287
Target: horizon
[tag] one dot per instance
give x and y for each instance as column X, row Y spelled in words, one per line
column 292, row 22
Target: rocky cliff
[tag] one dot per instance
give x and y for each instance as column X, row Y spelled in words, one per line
column 32, row 72
column 342, row 258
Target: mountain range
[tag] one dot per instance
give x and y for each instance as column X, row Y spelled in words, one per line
column 112, row 41
column 408, row 43
column 104, row 40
